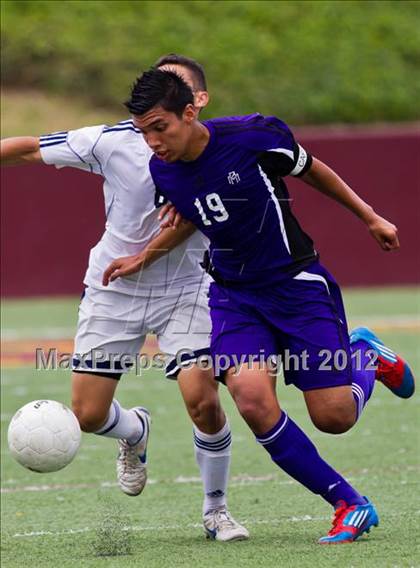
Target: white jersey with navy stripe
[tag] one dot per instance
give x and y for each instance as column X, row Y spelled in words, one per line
column 120, row 155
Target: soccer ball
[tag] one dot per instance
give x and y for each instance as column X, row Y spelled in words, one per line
column 44, row 436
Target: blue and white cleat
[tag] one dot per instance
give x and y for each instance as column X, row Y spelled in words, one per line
column 220, row 525
column 350, row 522
column 132, row 460
column 392, row 370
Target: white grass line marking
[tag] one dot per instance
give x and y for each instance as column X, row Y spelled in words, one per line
column 137, row 528
column 243, row 478
column 235, row 481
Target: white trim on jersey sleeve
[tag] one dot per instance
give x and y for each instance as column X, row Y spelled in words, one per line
column 288, row 153
column 75, row 148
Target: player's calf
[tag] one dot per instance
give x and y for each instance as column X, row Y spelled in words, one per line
column 200, row 393
column 92, row 399
column 333, row 423
column 90, row 418
column 338, row 421
column 332, row 410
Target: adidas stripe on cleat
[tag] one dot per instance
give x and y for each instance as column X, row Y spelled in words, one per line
column 350, row 522
column 392, row 370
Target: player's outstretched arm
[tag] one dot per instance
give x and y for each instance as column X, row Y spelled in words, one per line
column 20, row 150
column 325, row 180
column 157, row 247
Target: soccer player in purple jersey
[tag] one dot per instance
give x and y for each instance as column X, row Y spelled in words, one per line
column 271, row 295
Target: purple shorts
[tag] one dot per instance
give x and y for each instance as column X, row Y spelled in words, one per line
column 300, row 319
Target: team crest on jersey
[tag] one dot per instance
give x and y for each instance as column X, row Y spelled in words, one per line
column 233, row 177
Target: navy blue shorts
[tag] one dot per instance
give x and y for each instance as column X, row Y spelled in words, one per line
column 300, row 319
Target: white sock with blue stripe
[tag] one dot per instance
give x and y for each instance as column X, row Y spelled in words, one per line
column 212, row 452
column 122, row 423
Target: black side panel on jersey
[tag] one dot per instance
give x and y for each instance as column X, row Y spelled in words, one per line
column 301, row 244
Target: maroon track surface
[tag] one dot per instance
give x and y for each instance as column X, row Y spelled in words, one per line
column 51, row 218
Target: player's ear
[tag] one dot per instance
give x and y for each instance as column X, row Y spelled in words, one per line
column 190, row 113
column 201, row 99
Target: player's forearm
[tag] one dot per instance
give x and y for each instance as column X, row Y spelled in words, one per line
column 157, row 247
column 20, row 150
column 325, row 180
column 167, row 240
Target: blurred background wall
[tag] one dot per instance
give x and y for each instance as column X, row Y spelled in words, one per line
column 345, row 75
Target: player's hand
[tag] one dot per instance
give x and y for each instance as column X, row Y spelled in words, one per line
column 385, row 233
column 169, row 217
column 122, row 267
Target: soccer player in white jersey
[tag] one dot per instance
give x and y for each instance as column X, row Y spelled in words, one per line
column 167, row 295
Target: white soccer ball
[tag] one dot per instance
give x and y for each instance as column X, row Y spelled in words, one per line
column 44, row 436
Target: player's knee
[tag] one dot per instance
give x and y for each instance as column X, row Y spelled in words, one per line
column 253, row 411
column 90, row 419
column 203, row 409
column 206, row 413
column 333, row 422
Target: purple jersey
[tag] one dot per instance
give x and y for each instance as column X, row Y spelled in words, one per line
column 234, row 193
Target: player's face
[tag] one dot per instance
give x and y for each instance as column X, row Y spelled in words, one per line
column 167, row 134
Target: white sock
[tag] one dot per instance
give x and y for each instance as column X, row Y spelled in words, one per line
column 122, row 423
column 212, row 452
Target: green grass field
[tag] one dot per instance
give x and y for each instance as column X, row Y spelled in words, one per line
column 78, row 517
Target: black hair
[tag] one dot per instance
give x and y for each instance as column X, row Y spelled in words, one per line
column 164, row 88
column 200, row 83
